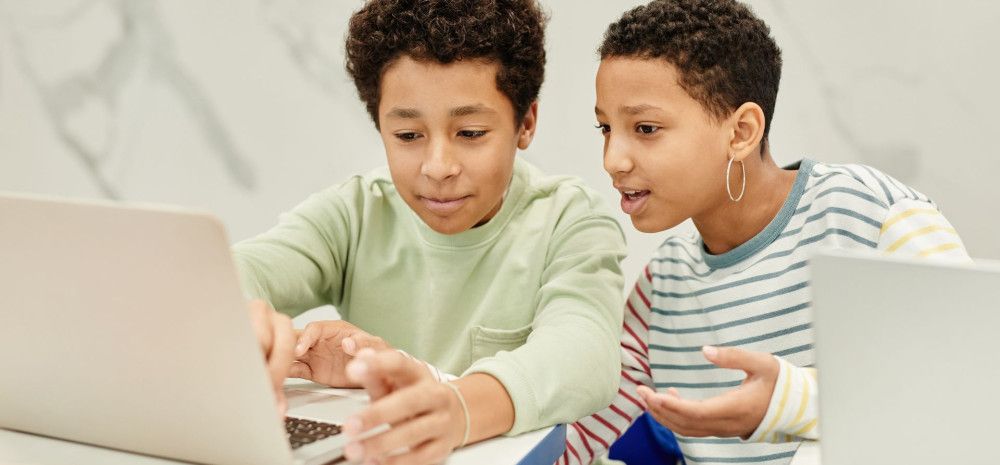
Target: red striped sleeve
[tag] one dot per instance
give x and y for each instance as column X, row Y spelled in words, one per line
column 592, row 436
column 634, row 313
column 583, row 439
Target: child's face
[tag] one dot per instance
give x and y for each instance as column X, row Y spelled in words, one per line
column 450, row 139
column 665, row 153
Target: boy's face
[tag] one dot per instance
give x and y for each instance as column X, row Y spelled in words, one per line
column 450, row 139
column 665, row 153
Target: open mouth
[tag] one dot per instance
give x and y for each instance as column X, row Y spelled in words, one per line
column 633, row 200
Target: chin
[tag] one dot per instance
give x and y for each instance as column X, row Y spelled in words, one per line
column 447, row 226
column 654, row 225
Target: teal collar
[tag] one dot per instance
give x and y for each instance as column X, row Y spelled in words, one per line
column 773, row 229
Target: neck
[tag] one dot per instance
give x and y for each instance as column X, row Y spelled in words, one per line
column 730, row 224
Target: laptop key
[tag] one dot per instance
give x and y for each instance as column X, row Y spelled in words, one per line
column 301, row 431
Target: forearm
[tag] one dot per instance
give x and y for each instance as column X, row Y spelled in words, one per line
column 491, row 411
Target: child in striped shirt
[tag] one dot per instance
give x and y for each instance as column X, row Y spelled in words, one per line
column 717, row 342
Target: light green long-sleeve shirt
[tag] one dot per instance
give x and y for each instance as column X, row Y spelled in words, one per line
column 533, row 297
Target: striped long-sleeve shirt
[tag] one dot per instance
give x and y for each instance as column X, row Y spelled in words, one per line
column 756, row 297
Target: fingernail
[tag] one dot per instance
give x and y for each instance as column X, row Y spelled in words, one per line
column 354, row 451
column 710, row 351
column 356, row 370
column 300, row 349
column 367, row 351
column 348, row 346
column 352, row 427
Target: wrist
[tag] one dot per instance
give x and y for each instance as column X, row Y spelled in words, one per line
column 459, row 416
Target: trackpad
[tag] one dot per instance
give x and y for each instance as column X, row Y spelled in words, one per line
column 324, row 406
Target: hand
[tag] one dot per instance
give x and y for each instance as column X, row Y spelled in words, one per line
column 735, row 413
column 426, row 418
column 325, row 347
column 277, row 342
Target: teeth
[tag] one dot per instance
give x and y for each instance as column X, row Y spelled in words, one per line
column 631, row 192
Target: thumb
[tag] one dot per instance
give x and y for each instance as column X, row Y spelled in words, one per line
column 307, row 338
column 738, row 359
column 300, row 370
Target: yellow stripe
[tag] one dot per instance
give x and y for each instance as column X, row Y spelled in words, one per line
column 805, row 429
column 940, row 248
column 803, row 404
column 906, row 214
column 781, row 404
column 920, row 232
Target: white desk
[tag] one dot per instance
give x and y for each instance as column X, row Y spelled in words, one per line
column 540, row 447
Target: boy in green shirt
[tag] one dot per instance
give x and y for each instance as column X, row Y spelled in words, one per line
column 459, row 254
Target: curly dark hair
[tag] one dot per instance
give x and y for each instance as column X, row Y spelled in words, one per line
column 511, row 32
column 723, row 52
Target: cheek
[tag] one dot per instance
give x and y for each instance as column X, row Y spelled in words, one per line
column 492, row 165
column 405, row 171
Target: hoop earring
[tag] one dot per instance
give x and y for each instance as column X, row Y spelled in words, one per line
column 743, row 188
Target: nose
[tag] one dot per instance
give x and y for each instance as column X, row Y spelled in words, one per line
column 616, row 156
column 440, row 164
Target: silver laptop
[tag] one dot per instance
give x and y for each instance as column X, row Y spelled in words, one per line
column 125, row 327
column 907, row 357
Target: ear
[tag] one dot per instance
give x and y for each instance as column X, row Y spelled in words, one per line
column 528, row 126
column 747, row 131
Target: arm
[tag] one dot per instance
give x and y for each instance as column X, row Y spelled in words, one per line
column 574, row 332
column 918, row 229
column 299, row 264
column 591, row 437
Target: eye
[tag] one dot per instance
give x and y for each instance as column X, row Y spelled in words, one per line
column 646, row 129
column 605, row 128
column 408, row 136
column 471, row 133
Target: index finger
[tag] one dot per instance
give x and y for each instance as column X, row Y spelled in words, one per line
column 398, row 406
column 380, row 372
column 719, row 408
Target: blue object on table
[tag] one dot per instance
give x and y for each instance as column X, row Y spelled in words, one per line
column 548, row 450
column 647, row 442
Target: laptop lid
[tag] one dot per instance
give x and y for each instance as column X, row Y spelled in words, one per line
column 906, row 356
column 126, row 327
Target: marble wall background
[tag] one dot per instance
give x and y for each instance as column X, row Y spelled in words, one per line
column 243, row 108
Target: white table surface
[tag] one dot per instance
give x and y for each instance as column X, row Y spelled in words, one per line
column 18, row 448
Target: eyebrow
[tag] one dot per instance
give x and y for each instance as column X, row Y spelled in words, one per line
column 638, row 109
column 630, row 110
column 405, row 113
column 467, row 110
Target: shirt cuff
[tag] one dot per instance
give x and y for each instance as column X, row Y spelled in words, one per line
column 792, row 412
column 526, row 412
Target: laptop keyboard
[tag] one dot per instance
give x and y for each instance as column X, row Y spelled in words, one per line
column 301, row 431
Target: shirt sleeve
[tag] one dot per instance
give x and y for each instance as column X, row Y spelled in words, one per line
column 568, row 367
column 912, row 228
column 793, row 413
column 917, row 229
column 592, row 436
column 299, row 264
